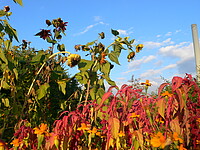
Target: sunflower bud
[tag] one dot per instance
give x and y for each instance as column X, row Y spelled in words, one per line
column 48, row 22
column 139, row 48
column 102, row 35
column 6, row 8
column 73, row 60
column 130, row 56
column 77, row 47
column 101, row 47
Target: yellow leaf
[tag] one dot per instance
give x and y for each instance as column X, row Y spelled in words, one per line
column 161, row 107
column 175, row 126
column 114, row 124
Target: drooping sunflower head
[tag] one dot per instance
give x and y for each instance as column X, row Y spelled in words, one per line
column 73, row 60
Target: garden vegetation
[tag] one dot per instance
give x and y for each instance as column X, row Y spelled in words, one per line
column 42, row 107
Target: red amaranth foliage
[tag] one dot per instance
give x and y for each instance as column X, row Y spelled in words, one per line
column 25, row 132
column 131, row 117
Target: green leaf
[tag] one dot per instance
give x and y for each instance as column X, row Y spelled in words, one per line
column 117, row 49
column 96, row 67
column 40, row 138
column 136, row 144
column 114, row 57
column 16, row 73
column 18, row 2
column 49, row 40
column 39, row 57
column 132, row 41
column 100, row 94
column 110, row 82
column 105, row 68
column 114, row 32
column 2, row 13
column 7, row 44
column 5, row 85
column 101, row 82
column 11, row 31
column 126, row 42
column 61, row 47
column 6, row 102
column 3, row 57
column 82, row 77
column 62, row 86
column 84, row 65
column 93, row 92
column 90, row 43
column 42, row 91
column 57, row 34
column 1, row 27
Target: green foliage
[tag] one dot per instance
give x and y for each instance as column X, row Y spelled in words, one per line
column 33, row 84
column 18, row 2
column 98, row 67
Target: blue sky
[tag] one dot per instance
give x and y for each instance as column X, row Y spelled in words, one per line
column 164, row 27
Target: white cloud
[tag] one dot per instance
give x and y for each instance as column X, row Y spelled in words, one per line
column 149, row 58
column 170, row 66
column 182, row 50
column 121, row 78
column 168, row 34
column 158, row 36
column 167, row 41
column 137, row 63
column 90, row 27
column 97, row 18
column 153, row 72
column 125, row 32
column 149, row 73
column 122, row 32
column 158, row 63
column 152, row 45
column 177, row 31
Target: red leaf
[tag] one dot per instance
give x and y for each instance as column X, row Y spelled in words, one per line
column 181, row 97
column 176, row 83
column 105, row 96
column 162, row 86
